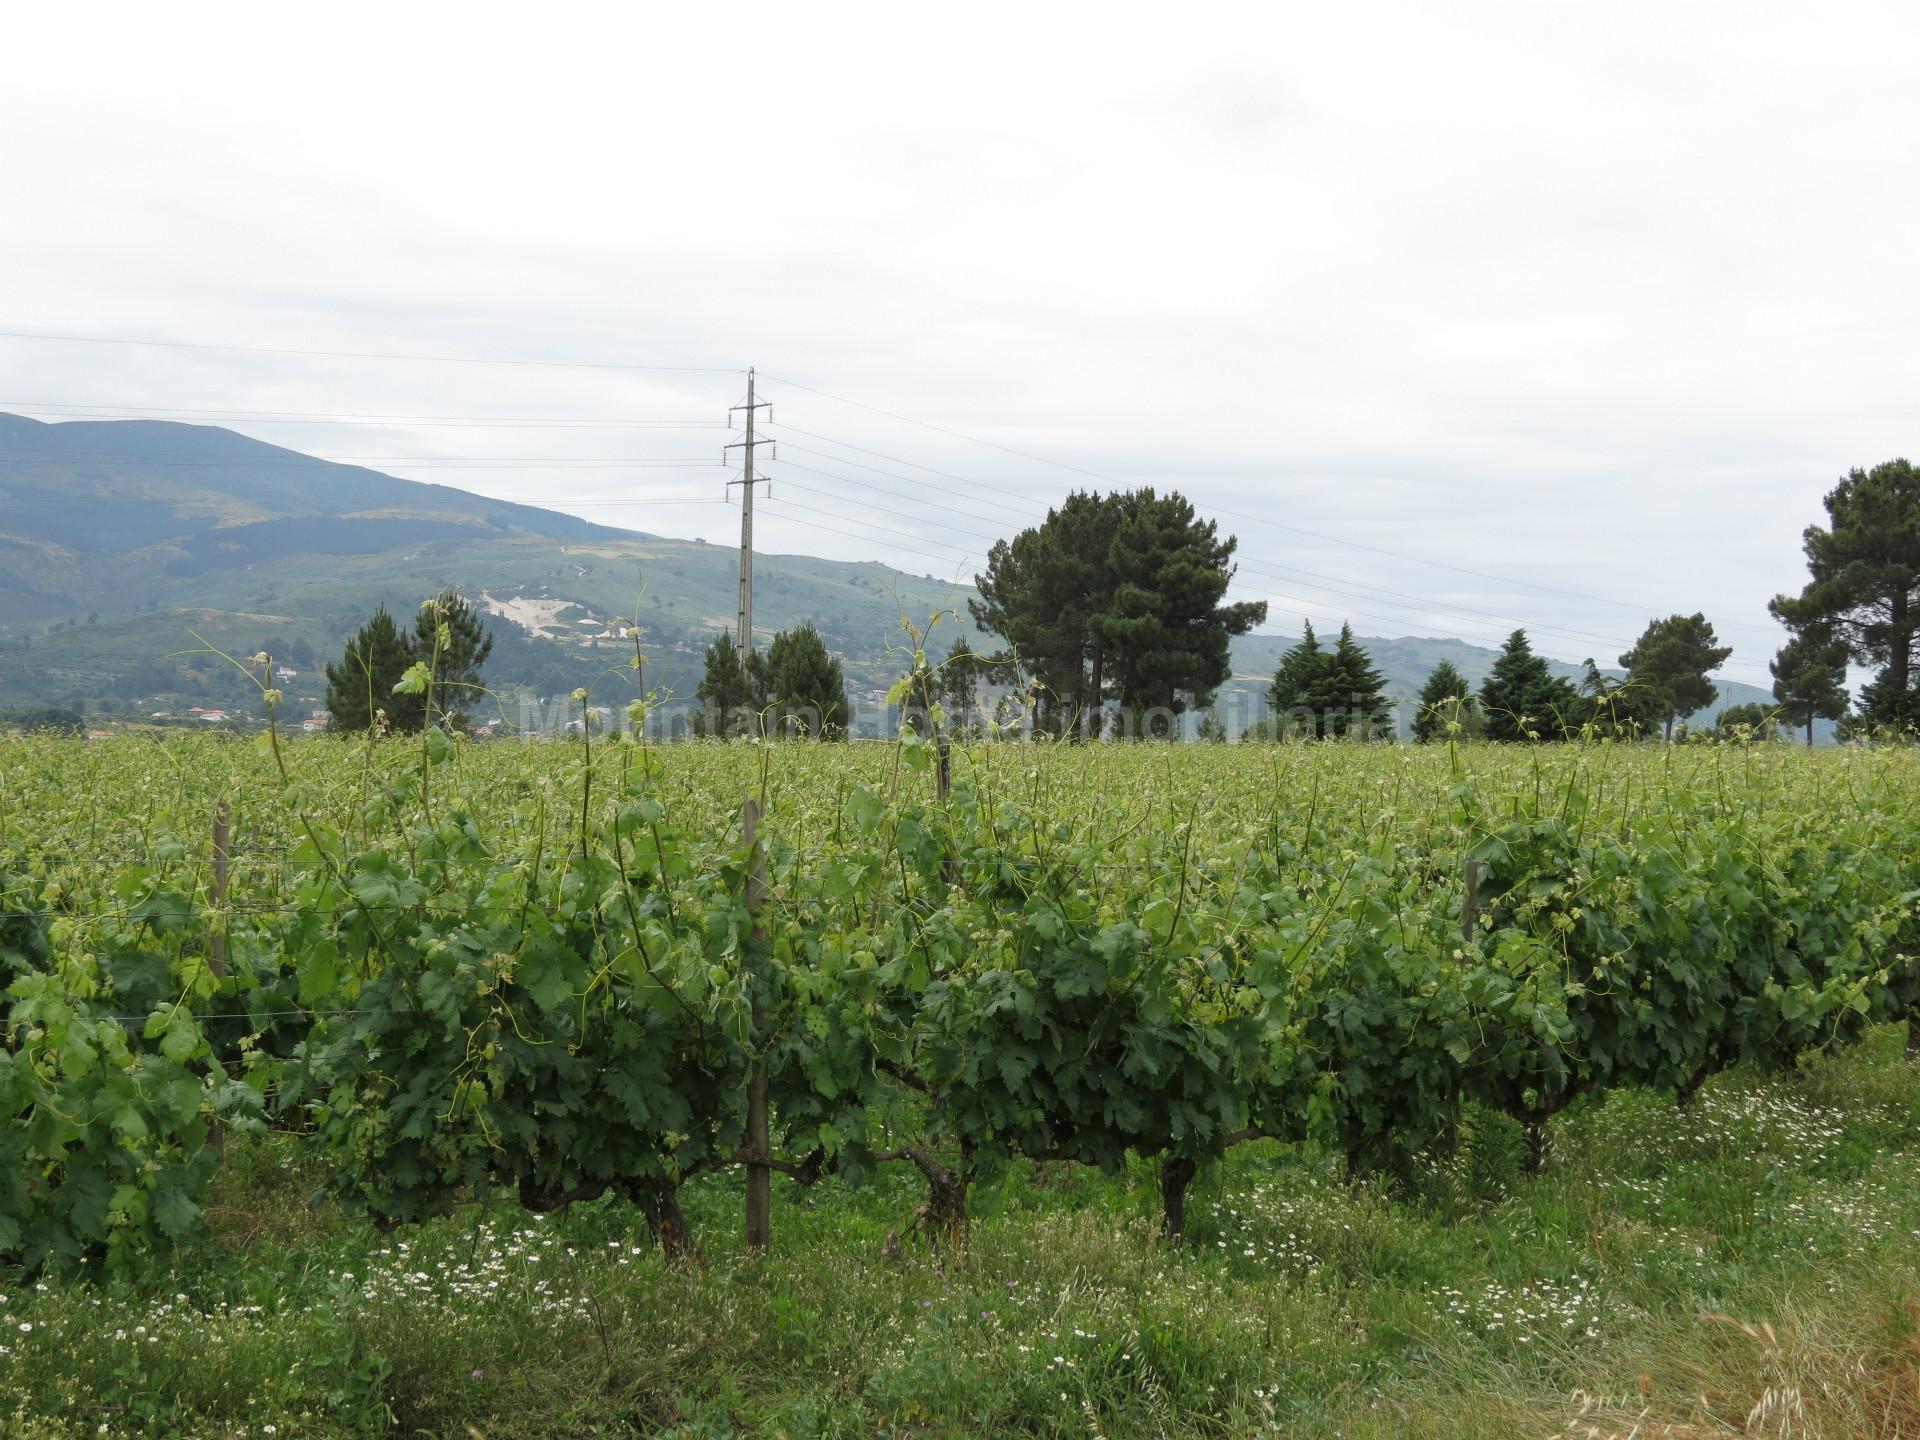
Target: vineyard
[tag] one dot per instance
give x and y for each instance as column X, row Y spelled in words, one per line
column 601, row 975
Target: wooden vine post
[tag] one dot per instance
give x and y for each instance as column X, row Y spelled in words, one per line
column 759, row 1143
column 1469, row 903
column 217, row 940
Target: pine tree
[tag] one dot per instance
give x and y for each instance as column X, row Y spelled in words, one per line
column 1810, row 677
column 1613, row 706
column 1668, row 667
column 723, row 692
column 1522, row 698
column 1865, row 585
column 1116, row 595
column 808, row 691
column 1040, row 591
column 1744, row 723
column 1887, row 708
column 360, row 687
column 959, row 680
column 1163, row 630
column 758, row 668
column 451, row 635
column 1296, row 682
column 1444, row 699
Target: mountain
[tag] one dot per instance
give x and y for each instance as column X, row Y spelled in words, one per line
column 95, row 514
column 118, row 538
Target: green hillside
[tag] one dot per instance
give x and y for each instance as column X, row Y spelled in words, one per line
column 118, row 538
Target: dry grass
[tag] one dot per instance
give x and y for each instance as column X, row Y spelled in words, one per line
column 1828, row 1378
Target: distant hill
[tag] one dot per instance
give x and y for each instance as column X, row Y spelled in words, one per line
column 119, row 537
column 100, row 514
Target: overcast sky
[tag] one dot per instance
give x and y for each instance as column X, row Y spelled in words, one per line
column 1597, row 301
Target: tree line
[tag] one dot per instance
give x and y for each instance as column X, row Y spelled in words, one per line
column 1113, row 618
column 1117, row 600
column 794, row 689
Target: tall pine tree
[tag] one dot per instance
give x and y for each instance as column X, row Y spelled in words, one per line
column 1162, row 629
column 1615, row 707
column 1667, row 669
column 1865, row 585
column 1116, row 596
column 958, row 691
column 450, row 633
column 360, row 687
column 1040, row 592
column 1810, row 677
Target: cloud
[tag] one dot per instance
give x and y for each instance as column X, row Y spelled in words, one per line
column 1598, row 303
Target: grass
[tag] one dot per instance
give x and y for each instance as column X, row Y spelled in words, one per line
column 1747, row 1268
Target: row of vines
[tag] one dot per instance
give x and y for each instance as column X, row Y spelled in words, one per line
column 551, row 972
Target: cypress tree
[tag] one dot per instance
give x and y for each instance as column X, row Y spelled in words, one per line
column 1291, row 696
column 722, row 692
column 1351, row 692
column 1445, row 697
column 1522, row 698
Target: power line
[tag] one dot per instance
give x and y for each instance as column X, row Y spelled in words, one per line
column 965, row 554
column 369, row 354
column 1421, row 604
column 881, row 455
column 942, row 430
column 868, row 485
column 583, row 504
column 456, row 462
column 1214, row 509
column 331, row 417
column 945, row 526
column 1375, row 593
column 1424, row 610
column 550, row 462
column 868, row 539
